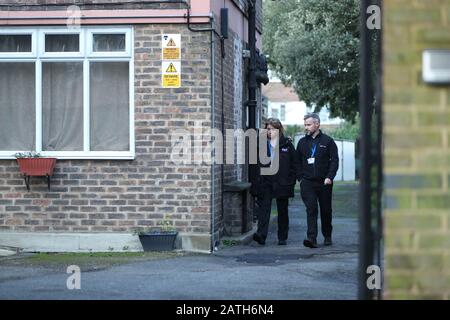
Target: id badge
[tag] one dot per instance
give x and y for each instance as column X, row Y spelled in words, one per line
column 311, row 160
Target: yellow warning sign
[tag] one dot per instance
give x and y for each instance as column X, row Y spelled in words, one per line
column 171, row 80
column 171, row 54
column 171, row 46
column 171, row 68
column 171, row 74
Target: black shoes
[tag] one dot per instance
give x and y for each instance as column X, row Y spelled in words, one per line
column 327, row 241
column 310, row 243
column 259, row 239
column 282, row 242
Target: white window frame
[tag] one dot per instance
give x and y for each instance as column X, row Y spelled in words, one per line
column 18, row 55
column 60, row 55
column 99, row 54
column 38, row 56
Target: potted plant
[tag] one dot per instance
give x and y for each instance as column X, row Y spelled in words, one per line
column 160, row 239
column 33, row 164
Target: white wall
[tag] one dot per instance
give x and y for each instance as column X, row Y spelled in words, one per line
column 346, row 151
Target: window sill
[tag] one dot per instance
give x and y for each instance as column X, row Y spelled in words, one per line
column 74, row 156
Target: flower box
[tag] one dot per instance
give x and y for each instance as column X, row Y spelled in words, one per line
column 32, row 165
column 158, row 241
column 36, row 166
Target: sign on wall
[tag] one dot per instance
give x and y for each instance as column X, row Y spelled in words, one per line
column 171, row 64
column 171, row 46
column 171, row 74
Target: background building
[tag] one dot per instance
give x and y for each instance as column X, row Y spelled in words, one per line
column 284, row 104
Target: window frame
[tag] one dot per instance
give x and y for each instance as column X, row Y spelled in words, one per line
column 106, row 54
column 54, row 31
column 38, row 56
column 21, row 31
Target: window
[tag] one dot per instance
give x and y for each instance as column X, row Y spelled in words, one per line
column 282, row 112
column 62, row 43
column 17, row 111
column 20, row 43
column 108, row 42
column 275, row 113
column 15, row 43
column 67, row 94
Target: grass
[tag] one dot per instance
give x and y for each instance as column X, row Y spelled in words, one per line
column 86, row 261
column 345, row 199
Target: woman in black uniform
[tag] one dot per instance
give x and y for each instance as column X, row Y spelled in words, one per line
column 279, row 185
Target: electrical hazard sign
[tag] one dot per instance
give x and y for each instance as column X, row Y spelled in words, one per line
column 171, row 46
column 171, row 74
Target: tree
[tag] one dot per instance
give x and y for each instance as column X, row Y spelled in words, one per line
column 346, row 131
column 313, row 46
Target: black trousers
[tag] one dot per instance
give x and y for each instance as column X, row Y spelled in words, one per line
column 264, row 209
column 315, row 194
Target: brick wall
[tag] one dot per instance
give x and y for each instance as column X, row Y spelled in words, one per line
column 235, row 94
column 416, row 153
column 121, row 196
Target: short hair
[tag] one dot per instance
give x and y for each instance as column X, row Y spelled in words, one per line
column 274, row 123
column 315, row 116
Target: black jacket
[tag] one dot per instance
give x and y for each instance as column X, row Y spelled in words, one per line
column 283, row 182
column 326, row 158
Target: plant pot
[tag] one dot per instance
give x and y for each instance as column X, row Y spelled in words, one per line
column 36, row 166
column 158, row 241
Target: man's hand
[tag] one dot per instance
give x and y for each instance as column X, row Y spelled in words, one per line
column 328, row 181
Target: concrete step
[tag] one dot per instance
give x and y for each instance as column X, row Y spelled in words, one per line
column 6, row 251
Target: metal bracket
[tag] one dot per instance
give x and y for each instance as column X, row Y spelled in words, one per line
column 27, row 179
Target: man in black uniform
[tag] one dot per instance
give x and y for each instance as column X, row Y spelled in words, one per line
column 318, row 162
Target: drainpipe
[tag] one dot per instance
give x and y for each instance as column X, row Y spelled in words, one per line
column 213, row 117
column 365, row 111
column 251, row 103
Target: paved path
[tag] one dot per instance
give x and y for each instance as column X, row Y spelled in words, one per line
column 233, row 273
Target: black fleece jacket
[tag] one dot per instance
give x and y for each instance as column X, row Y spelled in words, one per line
column 326, row 158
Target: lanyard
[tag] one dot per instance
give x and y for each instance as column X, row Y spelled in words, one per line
column 314, row 147
column 270, row 152
column 313, row 150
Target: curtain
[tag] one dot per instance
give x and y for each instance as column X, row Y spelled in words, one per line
column 109, row 42
column 62, row 106
column 109, row 103
column 62, row 43
column 15, row 43
column 17, row 106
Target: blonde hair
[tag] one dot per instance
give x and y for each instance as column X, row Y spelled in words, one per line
column 274, row 123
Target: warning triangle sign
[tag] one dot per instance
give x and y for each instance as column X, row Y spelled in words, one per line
column 171, row 43
column 171, row 68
